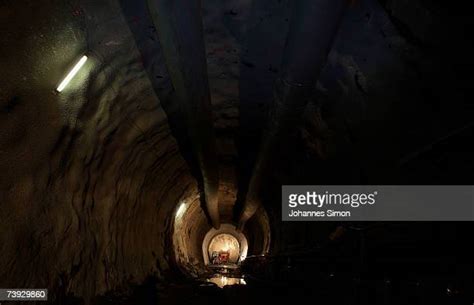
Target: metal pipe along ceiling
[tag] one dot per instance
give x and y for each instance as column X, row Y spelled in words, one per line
column 313, row 27
column 180, row 29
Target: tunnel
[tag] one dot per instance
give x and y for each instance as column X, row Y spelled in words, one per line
column 144, row 145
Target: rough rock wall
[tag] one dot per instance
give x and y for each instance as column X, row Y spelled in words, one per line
column 89, row 177
column 190, row 225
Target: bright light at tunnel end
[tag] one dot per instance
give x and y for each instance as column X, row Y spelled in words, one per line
column 71, row 74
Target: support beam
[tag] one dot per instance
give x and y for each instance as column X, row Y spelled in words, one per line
column 180, row 30
column 313, row 27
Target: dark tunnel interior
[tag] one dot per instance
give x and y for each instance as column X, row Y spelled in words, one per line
column 144, row 145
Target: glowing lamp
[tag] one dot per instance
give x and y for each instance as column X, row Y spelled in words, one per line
column 181, row 210
column 71, row 74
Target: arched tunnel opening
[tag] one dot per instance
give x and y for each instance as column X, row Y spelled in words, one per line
column 146, row 147
column 202, row 251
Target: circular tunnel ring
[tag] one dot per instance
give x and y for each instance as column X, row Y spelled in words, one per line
column 225, row 229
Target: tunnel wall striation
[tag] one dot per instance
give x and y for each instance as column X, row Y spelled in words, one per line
column 89, row 177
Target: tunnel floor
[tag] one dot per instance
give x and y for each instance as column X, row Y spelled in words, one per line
column 322, row 288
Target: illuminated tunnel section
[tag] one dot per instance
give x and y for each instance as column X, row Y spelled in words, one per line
column 224, row 246
column 194, row 239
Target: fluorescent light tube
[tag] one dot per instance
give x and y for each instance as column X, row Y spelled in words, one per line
column 72, row 73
